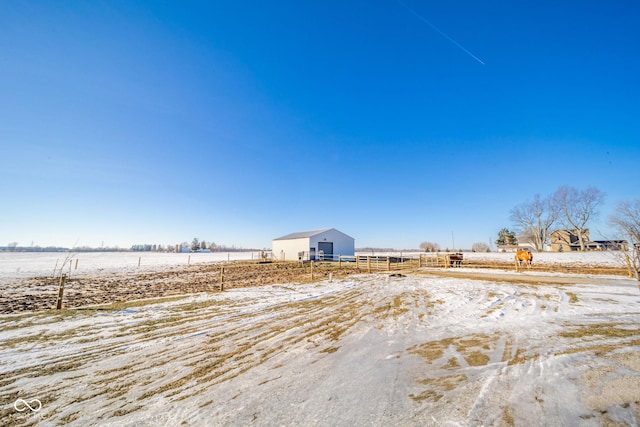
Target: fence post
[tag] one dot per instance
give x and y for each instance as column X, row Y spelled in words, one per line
column 628, row 265
column 369, row 264
column 139, row 258
column 61, row 291
column 311, row 263
column 388, row 263
column 221, row 279
column 55, row 268
column 357, row 263
column 76, row 264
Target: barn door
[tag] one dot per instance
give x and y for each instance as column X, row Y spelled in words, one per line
column 326, row 248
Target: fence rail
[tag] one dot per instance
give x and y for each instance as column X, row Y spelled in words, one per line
column 236, row 273
column 371, row 263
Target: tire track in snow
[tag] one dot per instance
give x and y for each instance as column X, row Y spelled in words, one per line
column 191, row 326
column 375, row 335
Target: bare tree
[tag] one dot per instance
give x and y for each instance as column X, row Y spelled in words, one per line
column 578, row 207
column 627, row 219
column 429, row 246
column 480, row 247
column 66, row 263
column 534, row 219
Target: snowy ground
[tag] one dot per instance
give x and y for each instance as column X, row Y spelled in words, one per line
column 607, row 259
column 31, row 264
column 367, row 350
column 23, row 265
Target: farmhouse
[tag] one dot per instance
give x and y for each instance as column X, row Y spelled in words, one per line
column 567, row 240
column 313, row 245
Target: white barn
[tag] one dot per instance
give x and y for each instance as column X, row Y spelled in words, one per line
column 313, row 245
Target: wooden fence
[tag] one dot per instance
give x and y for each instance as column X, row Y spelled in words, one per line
column 370, row 263
column 251, row 273
column 236, row 274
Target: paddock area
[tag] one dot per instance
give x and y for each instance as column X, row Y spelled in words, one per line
column 143, row 277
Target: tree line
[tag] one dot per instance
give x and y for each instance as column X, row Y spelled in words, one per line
column 195, row 245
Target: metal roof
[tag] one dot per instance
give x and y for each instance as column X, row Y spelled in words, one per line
column 302, row 234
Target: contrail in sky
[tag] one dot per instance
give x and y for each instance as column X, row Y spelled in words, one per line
column 442, row 33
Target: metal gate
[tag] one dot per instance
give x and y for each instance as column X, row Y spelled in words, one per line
column 326, row 248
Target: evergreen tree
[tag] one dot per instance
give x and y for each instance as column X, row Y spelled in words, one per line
column 506, row 237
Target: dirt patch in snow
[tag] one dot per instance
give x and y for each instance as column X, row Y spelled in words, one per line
column 368, row 349
column 40, row 293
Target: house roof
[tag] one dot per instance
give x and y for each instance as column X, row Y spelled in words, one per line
column 594, row 243
column 303, row 234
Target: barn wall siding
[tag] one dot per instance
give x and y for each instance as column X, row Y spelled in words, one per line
column 342, row 244
column 288, row 249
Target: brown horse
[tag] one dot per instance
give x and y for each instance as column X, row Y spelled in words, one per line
column 455, row 260
column 525, row 257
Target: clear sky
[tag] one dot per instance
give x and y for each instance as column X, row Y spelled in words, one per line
column 240, row 121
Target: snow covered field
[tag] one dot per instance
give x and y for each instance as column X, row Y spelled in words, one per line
column 30, row 264
column 372, row 350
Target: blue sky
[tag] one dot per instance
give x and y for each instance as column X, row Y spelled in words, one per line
column 155, row 122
